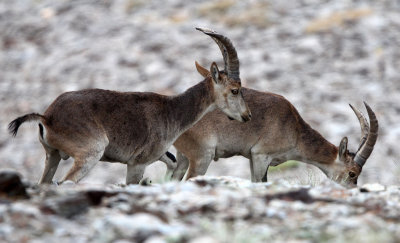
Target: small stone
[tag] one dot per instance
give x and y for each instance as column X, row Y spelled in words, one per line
column 66, row 206
column 204, row 239
column 145, row 182
column 11, row 185
column 140, row 226
column 373, row 187
column 68, row 183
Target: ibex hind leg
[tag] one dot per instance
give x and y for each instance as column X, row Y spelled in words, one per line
column 200, row 166
column 84, row 162
column 81, row 168
column 183, row 165
column 50, row 167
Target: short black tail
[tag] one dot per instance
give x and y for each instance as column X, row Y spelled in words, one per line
column 14, row 125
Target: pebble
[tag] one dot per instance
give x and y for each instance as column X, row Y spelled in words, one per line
column 372, row 187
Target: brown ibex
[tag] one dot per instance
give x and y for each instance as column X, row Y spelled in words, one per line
column 276, row 133
column 133, row 128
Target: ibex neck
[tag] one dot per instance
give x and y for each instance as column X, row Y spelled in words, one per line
column 316, row 150
column 193, row 104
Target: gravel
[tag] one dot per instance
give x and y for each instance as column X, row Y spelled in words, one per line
column 205, row 209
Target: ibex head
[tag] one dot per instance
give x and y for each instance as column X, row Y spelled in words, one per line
column 227, row 82
column 348, row 165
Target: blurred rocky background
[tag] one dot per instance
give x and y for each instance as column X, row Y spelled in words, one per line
column 321, row 55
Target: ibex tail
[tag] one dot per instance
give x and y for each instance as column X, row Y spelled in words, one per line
column 14, row 125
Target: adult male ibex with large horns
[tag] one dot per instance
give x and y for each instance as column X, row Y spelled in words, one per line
column 276, row 133
column 131, row 128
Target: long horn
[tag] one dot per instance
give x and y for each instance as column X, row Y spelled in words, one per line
column 221, row 46
column 363, row 124
column 228, row 51
column 363, row 154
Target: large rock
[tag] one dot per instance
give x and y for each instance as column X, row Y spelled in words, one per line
column 11, row 185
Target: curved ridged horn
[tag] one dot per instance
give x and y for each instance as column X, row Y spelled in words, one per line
column 228, row 51
column 365, row 151
column 221, row 46
column 363, row 124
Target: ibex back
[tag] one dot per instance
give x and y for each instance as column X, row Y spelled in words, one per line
column 277, row 133
column 131, row 128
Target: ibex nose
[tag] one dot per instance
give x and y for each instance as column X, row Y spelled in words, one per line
column 246, row 117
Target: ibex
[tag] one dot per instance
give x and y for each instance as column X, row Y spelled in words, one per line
column 133, row 128
column 276, row 133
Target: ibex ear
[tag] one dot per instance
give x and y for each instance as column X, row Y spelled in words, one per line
column 343, row 148
column 203, row 71
column 215, row 72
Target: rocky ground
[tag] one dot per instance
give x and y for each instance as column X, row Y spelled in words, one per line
column 319, row 54
column 206, row 209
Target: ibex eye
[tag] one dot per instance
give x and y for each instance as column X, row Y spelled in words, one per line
column 352, row 174
column 235, row 91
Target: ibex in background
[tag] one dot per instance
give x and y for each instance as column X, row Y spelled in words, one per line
column 132, row 128
column 276, row 133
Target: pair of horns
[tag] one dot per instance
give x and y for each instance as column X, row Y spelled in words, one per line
column 369, row 134
column 228, row 51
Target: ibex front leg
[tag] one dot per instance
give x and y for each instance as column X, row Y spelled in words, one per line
column 134, row 173
column 259, row 164
column 265, row 177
